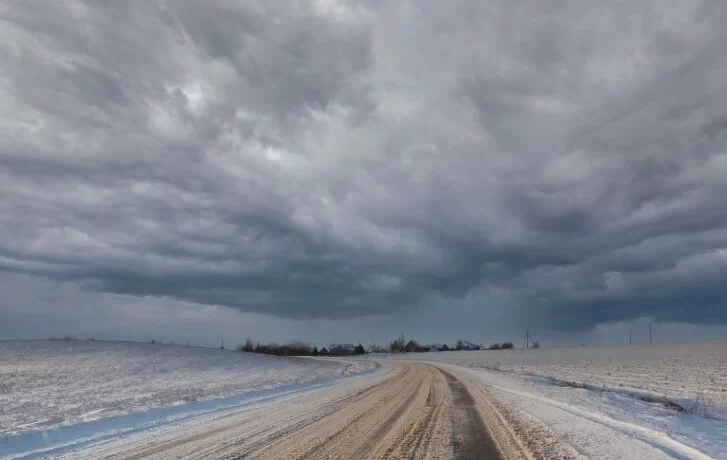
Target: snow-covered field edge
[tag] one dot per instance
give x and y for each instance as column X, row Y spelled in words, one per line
column 48, row 384
column 67, row 439
column 566, row 422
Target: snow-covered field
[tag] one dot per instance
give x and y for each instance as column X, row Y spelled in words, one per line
column 46, row 384
column 641, row 401
column 680, row 372
column 612, row 401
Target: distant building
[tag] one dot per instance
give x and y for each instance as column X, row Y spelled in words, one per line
column 341, row 349
column 438, row 347
column 414, row 347
column 323, row 352
column 467, row 345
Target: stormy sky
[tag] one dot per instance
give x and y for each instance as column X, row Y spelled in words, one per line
column 332, row 169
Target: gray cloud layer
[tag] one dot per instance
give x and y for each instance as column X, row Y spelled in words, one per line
column 332, row 159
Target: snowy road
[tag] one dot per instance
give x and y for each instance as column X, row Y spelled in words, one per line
column 400, row 408
column 414, row 411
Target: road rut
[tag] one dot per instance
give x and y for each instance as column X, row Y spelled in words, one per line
column 416, row 411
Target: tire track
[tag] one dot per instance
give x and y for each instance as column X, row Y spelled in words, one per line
column 417, row 411
column 424, row 434
column 472, row 439
column 370, row 440
column 319, row 417
column 260, row 434
column 415, row 440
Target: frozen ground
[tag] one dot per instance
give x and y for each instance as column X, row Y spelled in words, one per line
column 682, row 372
column 47, row 384
column 611, row 402
column 647, row 401
column 405, row 411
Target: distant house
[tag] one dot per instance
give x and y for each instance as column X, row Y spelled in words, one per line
column 438, row 347
column 467, row 345
column 341, row 349
column 323, row 352
column 414, row 347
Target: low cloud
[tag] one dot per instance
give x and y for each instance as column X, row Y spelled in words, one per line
column 345, row 159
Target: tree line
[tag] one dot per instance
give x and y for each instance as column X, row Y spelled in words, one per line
column 398, row 345
column 401, row 345
column 293, row 349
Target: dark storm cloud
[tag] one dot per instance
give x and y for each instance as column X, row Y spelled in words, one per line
column 341, row 158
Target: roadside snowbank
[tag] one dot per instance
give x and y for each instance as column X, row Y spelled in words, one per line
column 605, row 425
column 641, row 401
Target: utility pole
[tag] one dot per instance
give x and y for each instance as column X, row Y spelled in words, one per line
column 527, row 339
column 651, row 336
column 630, row 334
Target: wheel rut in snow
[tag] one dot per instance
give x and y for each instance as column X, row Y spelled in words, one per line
column 417, row 411
column 472, row 439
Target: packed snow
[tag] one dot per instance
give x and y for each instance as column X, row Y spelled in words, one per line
column 47, row 384
column 644, row 401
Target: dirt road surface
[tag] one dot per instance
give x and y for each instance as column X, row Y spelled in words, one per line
column 415, row 411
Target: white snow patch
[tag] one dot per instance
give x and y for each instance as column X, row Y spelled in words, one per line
column 615, row 401
column 47, row 384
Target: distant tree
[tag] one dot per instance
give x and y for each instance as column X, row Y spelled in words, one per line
column 536, row 344
column 360, row 350
column 248, row 347
column 507, row 346
column 460, row 345
column 402, row 343
column 315, row 351
column 152, row 341
column 495, row 346
column 398, row 345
